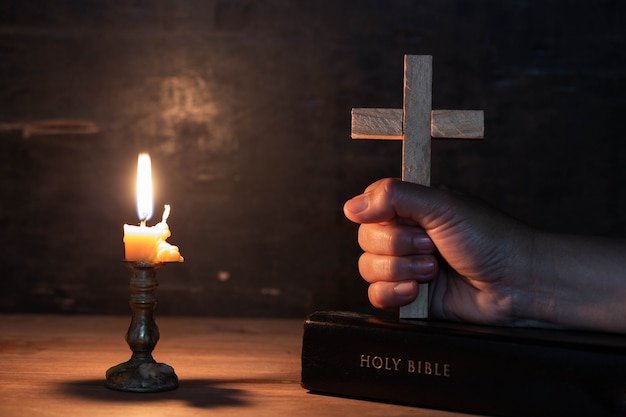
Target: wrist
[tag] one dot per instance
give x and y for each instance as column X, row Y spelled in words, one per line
column 534, row 296
column 574, row 283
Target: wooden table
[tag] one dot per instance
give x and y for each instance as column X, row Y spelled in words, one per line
column 55, row 366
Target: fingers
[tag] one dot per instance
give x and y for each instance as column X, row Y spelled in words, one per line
column 374, row 268
column 394, row 239
column 389, row 199
column 391, row 295
column 398, row 252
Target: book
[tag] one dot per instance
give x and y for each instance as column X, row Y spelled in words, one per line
column 475, row 369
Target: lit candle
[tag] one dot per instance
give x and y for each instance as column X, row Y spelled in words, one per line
column 144, row 243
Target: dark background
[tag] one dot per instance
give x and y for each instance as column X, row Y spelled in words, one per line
column 245, row 106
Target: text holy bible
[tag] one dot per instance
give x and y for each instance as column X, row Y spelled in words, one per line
column 474, row 369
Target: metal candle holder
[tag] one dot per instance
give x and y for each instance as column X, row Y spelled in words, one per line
column 142, row 373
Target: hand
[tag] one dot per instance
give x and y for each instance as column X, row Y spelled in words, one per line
column 484, row 267
column 474, row 257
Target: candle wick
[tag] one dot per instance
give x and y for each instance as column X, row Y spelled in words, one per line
column 166, row 213
column 143, row 222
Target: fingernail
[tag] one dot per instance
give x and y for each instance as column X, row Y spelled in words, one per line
column 405, row 288
column 423, row 268
column 423, row 242
column 358, row 204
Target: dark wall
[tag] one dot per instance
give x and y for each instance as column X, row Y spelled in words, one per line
column 245, row 109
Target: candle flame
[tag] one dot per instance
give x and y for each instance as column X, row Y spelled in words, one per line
column 144, row 187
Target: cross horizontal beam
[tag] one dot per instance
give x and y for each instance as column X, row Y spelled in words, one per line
column 386, row 124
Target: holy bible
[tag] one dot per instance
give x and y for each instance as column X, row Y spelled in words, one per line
column 475, row 369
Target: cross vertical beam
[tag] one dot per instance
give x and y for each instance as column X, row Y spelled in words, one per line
column 416, row 142
column 416, row 124
column 416, row 145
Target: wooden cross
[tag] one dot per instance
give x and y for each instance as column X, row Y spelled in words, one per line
column 415, row 125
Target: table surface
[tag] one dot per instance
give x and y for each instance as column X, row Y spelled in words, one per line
column 55, row 366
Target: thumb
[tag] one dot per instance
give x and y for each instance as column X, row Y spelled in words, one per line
column 389, row 199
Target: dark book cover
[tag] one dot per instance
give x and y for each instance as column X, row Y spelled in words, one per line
column 469, row 368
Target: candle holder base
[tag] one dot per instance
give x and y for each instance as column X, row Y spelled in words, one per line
column 142, row 373
column 141, row 376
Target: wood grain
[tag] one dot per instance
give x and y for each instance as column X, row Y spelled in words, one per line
column 377, row 124
column 386, row 124
column 53, row 366
column 416, row 146
column 458, row 124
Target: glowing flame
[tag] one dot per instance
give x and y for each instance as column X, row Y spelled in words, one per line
column 144, row 187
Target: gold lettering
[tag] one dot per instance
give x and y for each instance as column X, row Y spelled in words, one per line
column 427, row 368
column 365, row 361
column 377, row 362
column 390, row 363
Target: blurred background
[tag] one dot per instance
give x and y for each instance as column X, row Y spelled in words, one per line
column 245, row 107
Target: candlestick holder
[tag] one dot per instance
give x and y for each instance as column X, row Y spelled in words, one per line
column 142, row 373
